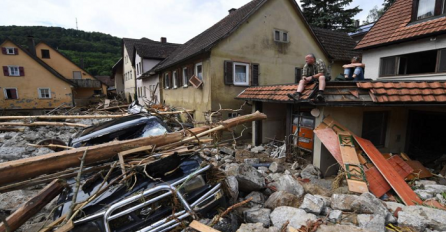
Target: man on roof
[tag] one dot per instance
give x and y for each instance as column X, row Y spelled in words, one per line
column 313, row 71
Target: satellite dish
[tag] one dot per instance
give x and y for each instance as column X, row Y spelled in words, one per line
column 315, row 112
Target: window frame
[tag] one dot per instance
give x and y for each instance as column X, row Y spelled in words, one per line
column 439, row 11
column 248, row 74
column 5, row 94
column 79, row 75
column 8, row 49
column 281, row 36
column 10, row 68
column 185, row 77
column 174, row 79
column 40, row 93
column 196, row 71
column 41, row 53
column 166, row 77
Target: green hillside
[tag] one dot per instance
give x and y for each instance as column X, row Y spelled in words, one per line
column 99, row 51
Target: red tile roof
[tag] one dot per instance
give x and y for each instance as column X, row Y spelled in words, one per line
column 384, row 92
column 394, row 26
column 274, row 93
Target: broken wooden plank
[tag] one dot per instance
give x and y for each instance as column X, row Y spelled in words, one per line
column 62, row 117
column 7, row 129
column 196, row 225
column 377, row 184
column 33, row 206
column 114, row 108
column 23, row 169
column 329, row 122
column 419, row 171
column 400, row 166
column 330, row 140
column 356, row 179
column 121, row 155
column 397, row 183
column 43, row 124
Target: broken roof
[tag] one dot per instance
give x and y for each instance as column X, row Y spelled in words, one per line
column 350, row 92
column 339, row 45
column 396, row 26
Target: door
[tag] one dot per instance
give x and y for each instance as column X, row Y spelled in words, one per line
column 303, row 127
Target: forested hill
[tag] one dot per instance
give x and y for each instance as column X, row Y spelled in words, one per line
column 99, row 51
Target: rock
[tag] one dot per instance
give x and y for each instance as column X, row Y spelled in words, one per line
column 276, row 167
column 264, row 169
column 257, row 227
column 367, row 203
column 10, row 201
column 258, row 199
column 232, row 184
column 411, row 220
column 281, row 198
column 335, row 216
column 289, row 184
column 312, row 204
column 424, row 194
column 296, row 217
column 11, row 153
column 432, row 218
column 257, row 149
column 422, row 183
column 31, row 137
column 310, row 172
column 315, row 189
column 258, row 215
column 227, row 150
column 252, row 161
column 393, row 206
column 42, row 151
column 249, row 179
column 341, row 228
column 295, row 166
column 342, row 201
column 207, row 152
column 372, row 222
column 435, row 188
column 286, row 172
column 275, row 176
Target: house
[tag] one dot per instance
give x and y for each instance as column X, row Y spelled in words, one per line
column 396, row 116
column 262, row 43
column 146, row 56
column 30, row 85
column 86, row 84
column 118, row 78
column 407, row 43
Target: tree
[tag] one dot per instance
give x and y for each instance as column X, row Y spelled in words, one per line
column 330, row 14
column 387, row 4
column 374, row 15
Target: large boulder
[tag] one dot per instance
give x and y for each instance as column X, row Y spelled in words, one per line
column 256, row 227
column 433, row 218
column 341, row 228
column 295, row 217
column 342, row 201
column 276, row 167
column 249, row 179
column 411, row 220
column 258, row 215
column 367, row 203
column 335, row 216
column 232, row 184
column 257, row 199
column 313, row 204
column 289, row 184
column 281, row 198
column 373, row 222
column 311, row 172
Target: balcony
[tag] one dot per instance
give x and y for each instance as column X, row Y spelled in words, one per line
column 87, row 83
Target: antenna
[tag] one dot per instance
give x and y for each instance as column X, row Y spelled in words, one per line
column 76, row 25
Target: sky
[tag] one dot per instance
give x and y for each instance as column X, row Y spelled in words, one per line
column 178, row 20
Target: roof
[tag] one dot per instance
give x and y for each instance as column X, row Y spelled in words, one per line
column 339, row 45
column 130, row 45
column 396, row 26
column 350, row 92
column 155, row 50
column 106, row 80
column 222, row 29
column 43, row 64
column 116, row 66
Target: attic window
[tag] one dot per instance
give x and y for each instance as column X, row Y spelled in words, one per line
column 424, row 9
column 281, row 36
column 10, row 51
column 45, row 53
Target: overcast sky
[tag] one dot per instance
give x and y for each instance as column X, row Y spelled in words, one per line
column 178, row 20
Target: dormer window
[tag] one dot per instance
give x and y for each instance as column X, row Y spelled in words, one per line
column 424, row 9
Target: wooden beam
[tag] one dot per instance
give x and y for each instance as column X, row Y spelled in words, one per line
column 33, row 206
column 62, row 117
column 43, row 124
column 196, row 225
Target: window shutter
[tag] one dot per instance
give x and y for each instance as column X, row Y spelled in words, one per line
column 297, row 75
column 229, row 80
column 16, row 51
column 22, row 71
column 13, row 93
column 5, row 71
column 255, row 74
column 3, row 50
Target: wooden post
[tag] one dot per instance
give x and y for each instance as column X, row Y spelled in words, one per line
column 33, row 206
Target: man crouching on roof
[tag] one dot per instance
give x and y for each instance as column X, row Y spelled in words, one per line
column 313, row 71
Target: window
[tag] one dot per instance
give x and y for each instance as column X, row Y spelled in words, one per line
column 14, row 71
column 45, row 53
column 199, row 71
column 44, row 92
column 10, row 51
column 131, row 74
column 175, row 79
column 140, row 68
column 414, row 63
column 241, row 74
column 424, row 9
column 11, row 93
column 77, row 75
column 166, row 81
column 186, row 79
column 374, row 127
column 137, row 69
column 281, row 36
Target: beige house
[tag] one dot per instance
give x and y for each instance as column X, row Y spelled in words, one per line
column 262, row 43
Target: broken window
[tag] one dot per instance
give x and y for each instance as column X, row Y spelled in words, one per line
column 45, row 53
column 77, row 75
column 412, row 64
column 11, row 93
column 44, row 93
column 374, row 127
column 428, row 8
column 199, row 71
column 241, row 74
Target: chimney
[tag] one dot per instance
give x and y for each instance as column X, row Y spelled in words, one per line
column 231, row 10
column 163, row 40
column 357, row 23
column 31, row 45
